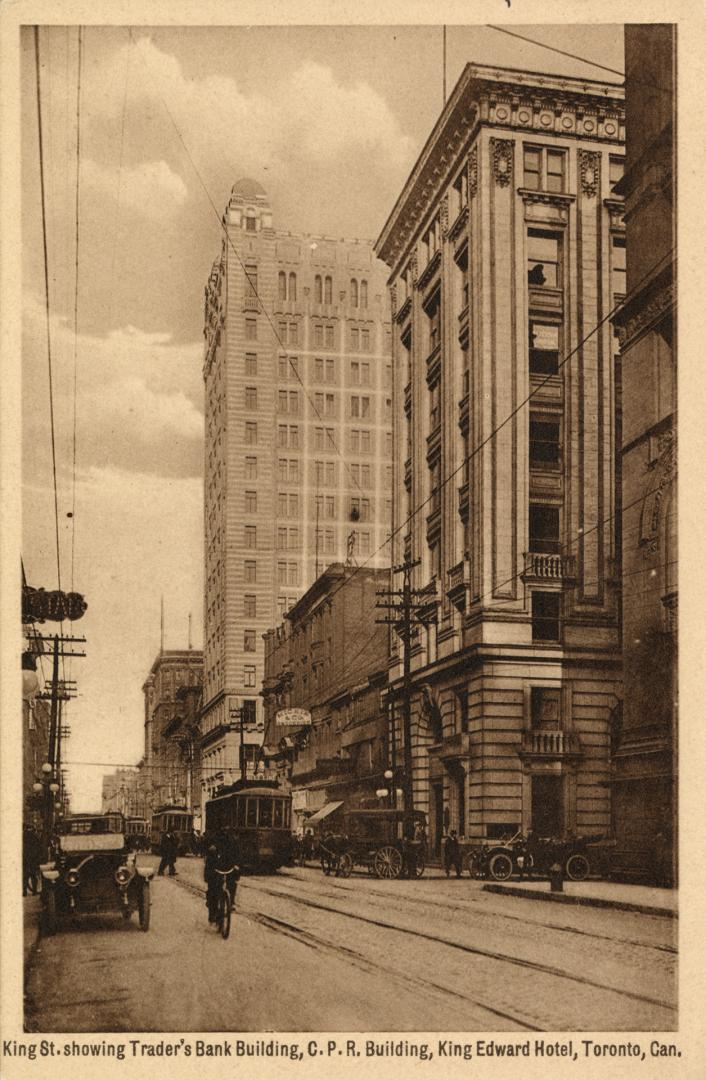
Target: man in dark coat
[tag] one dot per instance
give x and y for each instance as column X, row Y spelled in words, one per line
column 222, row 855
column 452, row 854
column 168, row 849
column 30, row 860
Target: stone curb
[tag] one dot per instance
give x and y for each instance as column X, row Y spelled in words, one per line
column 588, row 901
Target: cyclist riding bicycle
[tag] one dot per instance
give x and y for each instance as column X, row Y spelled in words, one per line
column 222, row 855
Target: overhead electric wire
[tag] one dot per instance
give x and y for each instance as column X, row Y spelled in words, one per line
column 553, row 48
column 249, row 279
column 46, row 297
column 76, row 282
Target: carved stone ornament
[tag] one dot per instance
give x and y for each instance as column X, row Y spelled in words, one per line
column 473, row 173
column 647, row 316
column 393, row 299
column 665, row 469
column 444, row 215
column 413, row 268
column 590, row 169
column 502, row 161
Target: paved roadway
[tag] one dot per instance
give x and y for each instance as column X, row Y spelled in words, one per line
column 310, row 953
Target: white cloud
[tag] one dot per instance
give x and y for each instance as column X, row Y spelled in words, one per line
column 150, row 188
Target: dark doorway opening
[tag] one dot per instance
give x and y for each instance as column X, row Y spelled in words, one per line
column 548, row 805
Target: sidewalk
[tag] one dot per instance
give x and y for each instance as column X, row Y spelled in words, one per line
column 31, row 909
column 607, row 894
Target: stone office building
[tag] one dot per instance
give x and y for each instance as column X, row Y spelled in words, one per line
column 298, row 443
column 171, row 765
column 645, row 762
column 506, row 256
column 329, row 658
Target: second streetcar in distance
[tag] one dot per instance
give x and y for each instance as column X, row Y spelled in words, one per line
column 174, row 819
column 258, row 815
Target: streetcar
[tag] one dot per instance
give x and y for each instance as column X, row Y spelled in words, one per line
column 137, row 833
column 174, row 819
column 257, row 814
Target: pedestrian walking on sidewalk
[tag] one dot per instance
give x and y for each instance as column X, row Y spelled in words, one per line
column 168, row 849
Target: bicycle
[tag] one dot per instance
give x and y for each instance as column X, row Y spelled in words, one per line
column 225, row 904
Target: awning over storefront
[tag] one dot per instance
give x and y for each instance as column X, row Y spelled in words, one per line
column 324, row 812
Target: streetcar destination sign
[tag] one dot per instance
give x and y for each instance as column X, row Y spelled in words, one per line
column 293, row 717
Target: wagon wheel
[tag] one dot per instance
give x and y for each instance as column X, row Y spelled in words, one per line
column 345, row 865
column 500, row 866
column 577, row 868
column 387, row 862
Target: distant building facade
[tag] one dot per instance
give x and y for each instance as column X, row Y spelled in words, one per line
column 645, row 762
column 506, row 251
column 172, row 693
column 125, row 791
column 298, row 444
column 329, row 658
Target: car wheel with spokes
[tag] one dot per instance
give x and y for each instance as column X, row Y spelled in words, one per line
column 577, row 868
column 500, row 866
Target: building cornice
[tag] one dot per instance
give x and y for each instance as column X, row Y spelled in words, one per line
column 511, row 101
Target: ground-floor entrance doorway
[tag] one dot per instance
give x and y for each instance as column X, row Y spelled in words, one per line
column 548, row 805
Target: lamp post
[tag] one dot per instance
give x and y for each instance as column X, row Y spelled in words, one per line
column 48, row 788
column 389, row 778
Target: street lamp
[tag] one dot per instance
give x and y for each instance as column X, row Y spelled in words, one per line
column 49, row 789
column 389, row 777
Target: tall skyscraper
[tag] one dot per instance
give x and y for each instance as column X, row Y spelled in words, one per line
column 297, row 378
column 507, row 254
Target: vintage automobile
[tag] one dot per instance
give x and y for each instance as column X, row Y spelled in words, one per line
column 93, row 870
column 389, row 843
column 531, row 856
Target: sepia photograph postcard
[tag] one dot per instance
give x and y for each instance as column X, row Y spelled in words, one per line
column 342, row 648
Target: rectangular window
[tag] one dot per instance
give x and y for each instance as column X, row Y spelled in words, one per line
column 292, row 574
column 433, row 314
column 251, row 468
column 283, row 367
column 250, row 571
column 330, row 370
column 318, row 370
column 546, row 608
column 543, row 347
column 251, row 282
column 251, row 433
column 434, row 406
column 365, row 441
column 355, row 373
column 294, row 402
column 282, row 332
column 330, row 473
column 544, row 707
column 365, row 341
column 616, row 170
column 283, row 435
column 250, row 537
column 435, row 486
column 248, row 641
column 282, row 573
column 328, row 337
column 281, row 538
column 544, row 168
column 318, row 334
column 543, row 259
column 282, row 470
column 250, row 502
column 250, row 397
column 355, row 439
column 249, row 605
column 545, row 444
column 250, row 364
column 330, row 405
column 617, row 266
column 544, row 529
column 293, row 333
column 355, row 339
column 293, row 505
column 318, row 438
column 251, row 329
column 282, row 401
column 249, row 674
column 294, row 471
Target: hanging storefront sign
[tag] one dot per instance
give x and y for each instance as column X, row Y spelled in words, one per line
column 293, row 718
column 38, row 605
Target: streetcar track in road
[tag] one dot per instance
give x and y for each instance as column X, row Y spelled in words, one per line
column 313, row 941
column 462, row 906
column 533, row 965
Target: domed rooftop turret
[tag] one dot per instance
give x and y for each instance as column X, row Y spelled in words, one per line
column 247, row 189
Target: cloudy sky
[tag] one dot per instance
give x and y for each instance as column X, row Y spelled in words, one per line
column 330, row 120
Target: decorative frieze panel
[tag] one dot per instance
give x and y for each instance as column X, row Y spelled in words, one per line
column 473, row 173
column 501, row 150
column 646, row 317
column 590, row 171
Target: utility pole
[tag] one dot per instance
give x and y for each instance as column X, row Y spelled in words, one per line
column 402, row 606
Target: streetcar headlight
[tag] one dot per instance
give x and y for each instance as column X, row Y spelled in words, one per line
column 122, row 875
column 72, row 878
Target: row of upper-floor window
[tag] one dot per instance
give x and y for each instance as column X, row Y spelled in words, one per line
column 321, row 403
column 321, row 369
column 322, row 291
column 290, row 436
column 324, row 335
column 290, row 504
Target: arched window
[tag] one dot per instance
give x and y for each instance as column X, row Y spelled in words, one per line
column 292, row 286
column 318, row 295
column 328, row 290
column 282, row 279
column 354, row 293
column 363, row 293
